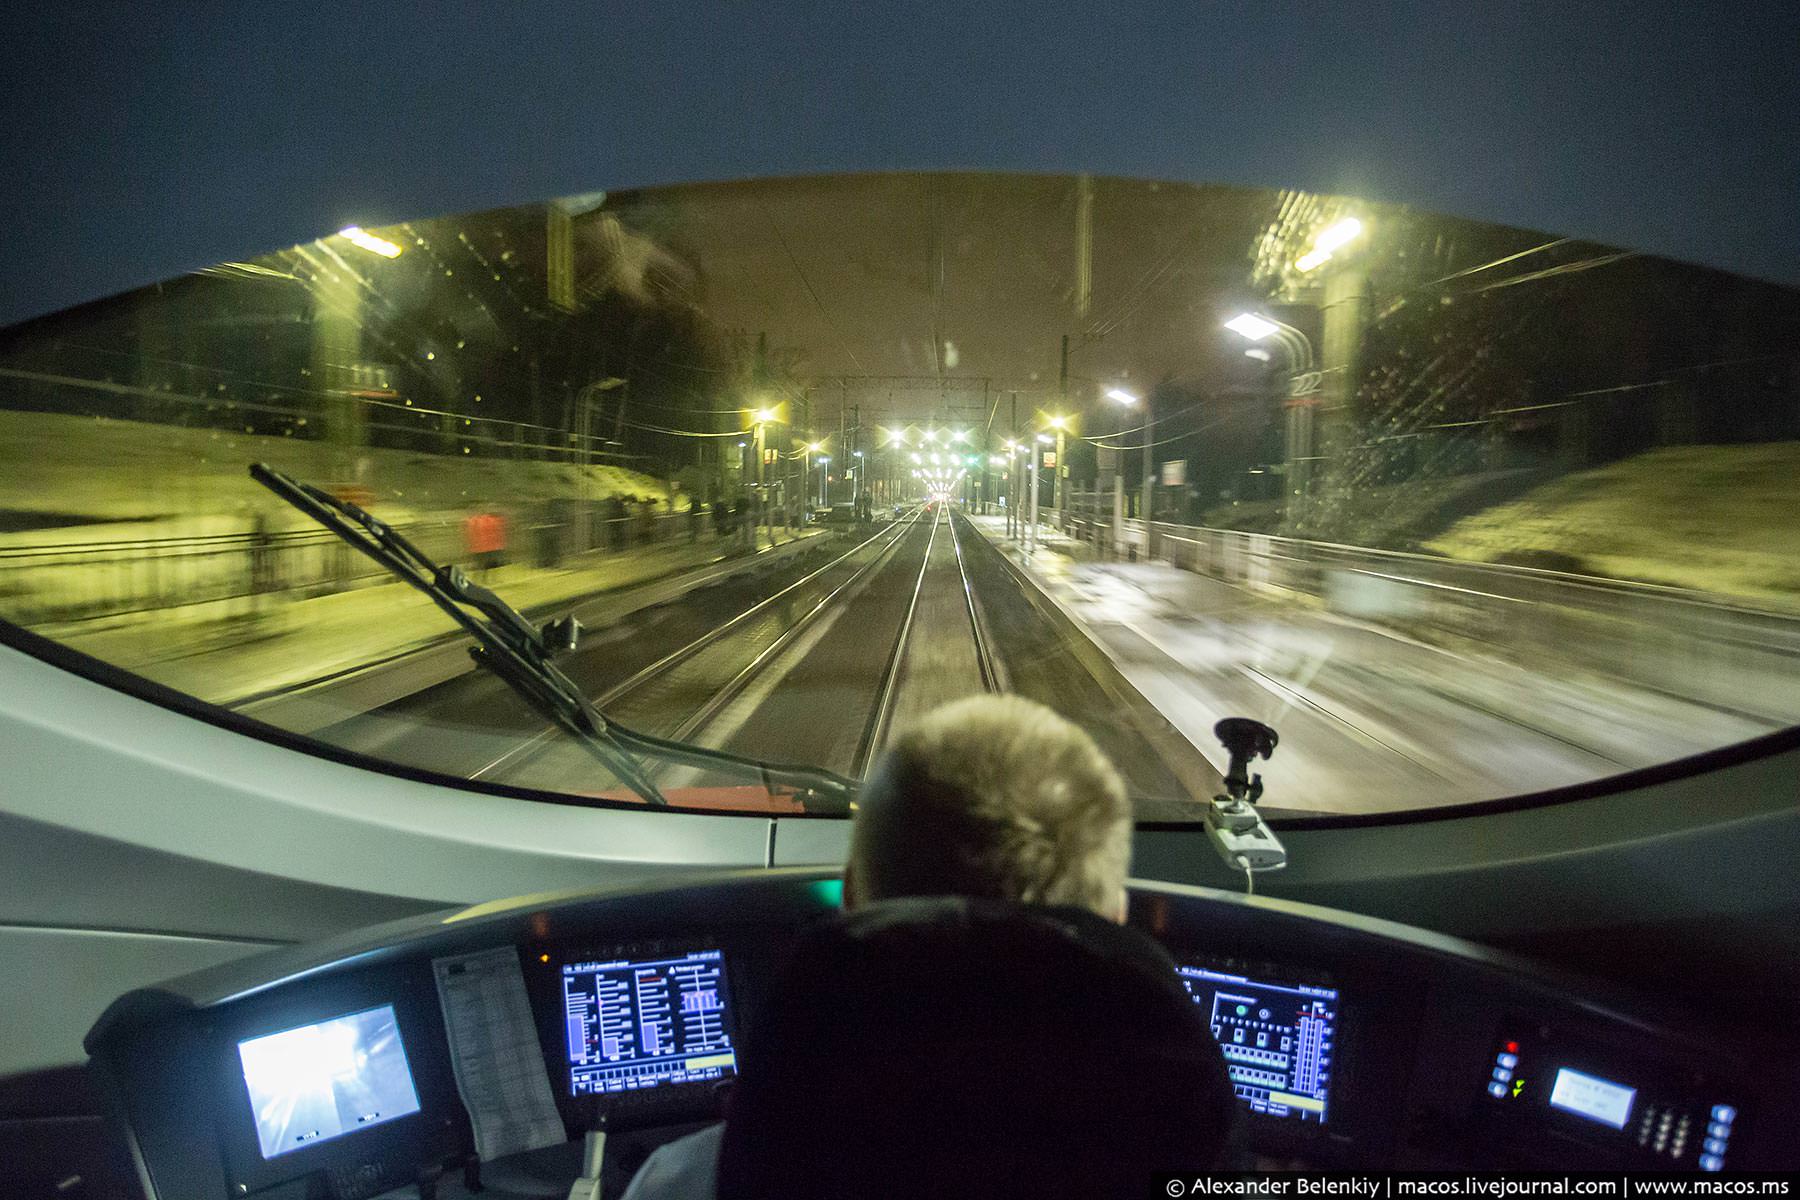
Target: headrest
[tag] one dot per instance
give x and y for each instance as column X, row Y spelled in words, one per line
column 930, row 1046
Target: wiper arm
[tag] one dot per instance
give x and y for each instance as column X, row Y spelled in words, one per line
column 520, row 653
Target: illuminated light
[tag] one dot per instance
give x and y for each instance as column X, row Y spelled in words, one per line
column 936, row 461
column 1251, row 326
column 764, row 415
column 824, row 458
column 917, row 459
column 1045, row 438
column 931, row 435
column 741, row 445
column 543, row 958
column 961, row 435
column 361, row 238
column 896, row 436
column 1059, row 422
column 1332, row 238
column 1258, row 353
column 1121, row 396
column 812, row 447
column 1337, row 234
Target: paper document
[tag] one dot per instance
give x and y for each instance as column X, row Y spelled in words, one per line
column 495, row 1051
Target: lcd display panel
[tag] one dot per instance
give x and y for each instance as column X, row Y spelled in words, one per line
column 1591, row 1097
column 328, row 1079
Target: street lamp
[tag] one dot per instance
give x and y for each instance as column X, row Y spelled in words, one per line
column 1058, row 473
column 1251, row 326
column 361, row 238
column 807, row 450
column 764, row 417
column 1303, row 382
column 584, row 401
column 1302, row 379
column 1125, row 399
column 1330, row 239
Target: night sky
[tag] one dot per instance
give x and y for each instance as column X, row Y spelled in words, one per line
column 144, row 140
column 964, row 277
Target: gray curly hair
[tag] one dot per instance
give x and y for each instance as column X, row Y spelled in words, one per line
column 998, row 797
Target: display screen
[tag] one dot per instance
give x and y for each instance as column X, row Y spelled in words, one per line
column 321, row 1081
column 646, row 1023
column 1277, row 1039
column 1591, row 1097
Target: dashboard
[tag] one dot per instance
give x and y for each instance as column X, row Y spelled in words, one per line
column 441, row 1049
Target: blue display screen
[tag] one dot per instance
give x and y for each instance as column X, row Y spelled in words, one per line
column 1592, row 1097
column 1277, row 1039
column 321, row 1081
column 647, row 1023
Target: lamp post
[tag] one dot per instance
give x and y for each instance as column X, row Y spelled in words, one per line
column 1303, row 387
column 764, row 417
column 1059, row 474
column 1126, row 401
column 1255, row 327
column 807, row 450
column 1012, row 488
column 824, row 476
column 1036, row 451
column 584, row 403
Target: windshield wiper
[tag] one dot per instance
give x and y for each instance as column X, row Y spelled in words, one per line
column 521, row 654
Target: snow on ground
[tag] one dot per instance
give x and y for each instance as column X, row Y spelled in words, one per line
column 1370, row 720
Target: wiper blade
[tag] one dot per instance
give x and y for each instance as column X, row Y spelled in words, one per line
column 520, row 653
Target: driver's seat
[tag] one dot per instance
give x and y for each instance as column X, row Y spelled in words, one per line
column 950, row 1046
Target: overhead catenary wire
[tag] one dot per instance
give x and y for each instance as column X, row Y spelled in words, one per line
column 807, row 284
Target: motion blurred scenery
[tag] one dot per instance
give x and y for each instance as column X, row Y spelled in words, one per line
column 1401, row 474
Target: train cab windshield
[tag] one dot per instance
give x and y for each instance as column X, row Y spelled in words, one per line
column 1465, row 511
column 544, row 582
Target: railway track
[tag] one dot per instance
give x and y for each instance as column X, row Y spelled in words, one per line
column 798, row 681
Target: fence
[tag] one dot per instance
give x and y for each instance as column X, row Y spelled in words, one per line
column 1698, row 646
column 381, row 420
column 67, row 581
